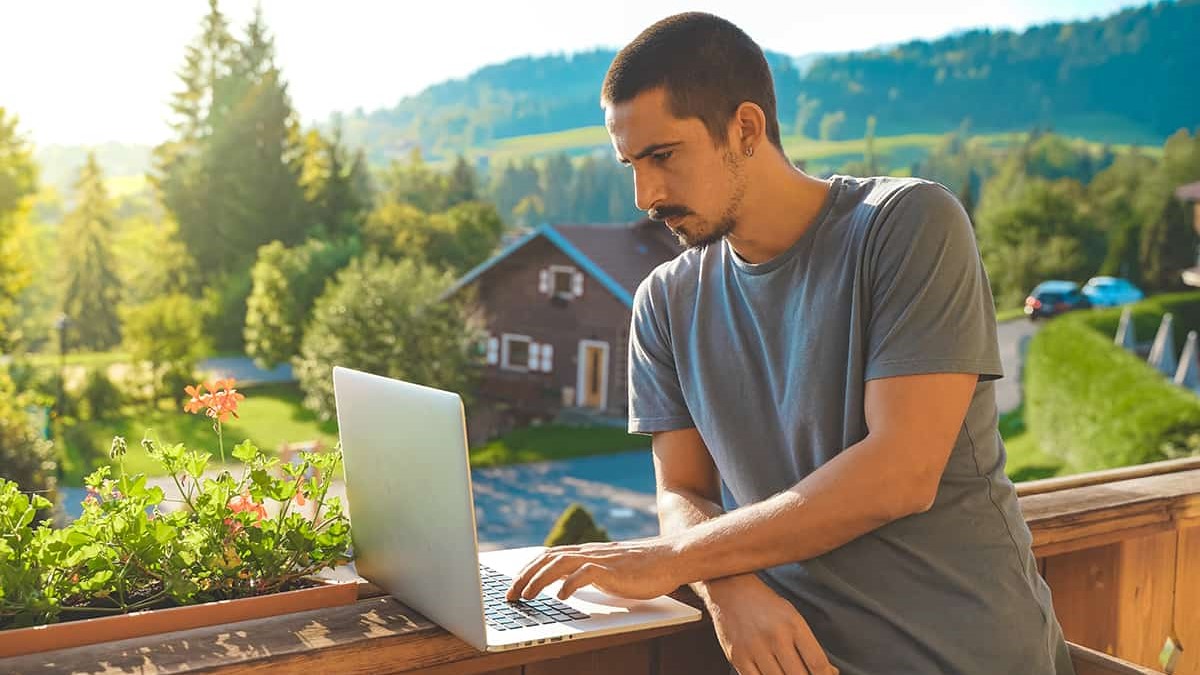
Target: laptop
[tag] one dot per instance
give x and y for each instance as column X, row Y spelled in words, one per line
column 412, row 517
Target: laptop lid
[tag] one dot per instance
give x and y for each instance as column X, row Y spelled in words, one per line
column 409, row 497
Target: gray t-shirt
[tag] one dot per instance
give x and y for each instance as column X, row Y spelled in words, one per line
column 770, row 362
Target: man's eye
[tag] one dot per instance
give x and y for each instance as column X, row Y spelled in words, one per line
column 662, row 156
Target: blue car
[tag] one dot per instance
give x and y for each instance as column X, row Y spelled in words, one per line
column 1054, row 297
column 1111, row 292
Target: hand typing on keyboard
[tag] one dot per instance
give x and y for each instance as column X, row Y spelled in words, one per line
column 501, row 614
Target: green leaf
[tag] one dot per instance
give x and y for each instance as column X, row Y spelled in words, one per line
column 245, row 451
column 163, row 532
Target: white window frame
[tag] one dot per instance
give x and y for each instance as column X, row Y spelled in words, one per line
column 505, row 340
column 580, row 381
column 555, row 270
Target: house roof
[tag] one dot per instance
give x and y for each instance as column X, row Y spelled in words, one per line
column 1189, row 192
column 616, row 256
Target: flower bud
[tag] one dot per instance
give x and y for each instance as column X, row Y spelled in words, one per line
column 118, row 447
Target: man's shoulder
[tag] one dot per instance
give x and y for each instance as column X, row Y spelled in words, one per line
column 669, row 275
column 885, row 192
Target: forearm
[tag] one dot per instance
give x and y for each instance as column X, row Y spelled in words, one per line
column 679, row 511
column 858, row 491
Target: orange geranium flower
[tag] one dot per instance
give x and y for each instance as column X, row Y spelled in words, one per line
column 217, row 398
column 243, row 502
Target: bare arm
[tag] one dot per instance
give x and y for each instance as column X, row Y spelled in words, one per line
column 688, row 486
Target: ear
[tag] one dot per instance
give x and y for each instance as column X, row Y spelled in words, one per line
column 748, row 128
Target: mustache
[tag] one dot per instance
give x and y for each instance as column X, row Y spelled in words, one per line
column 665, row 212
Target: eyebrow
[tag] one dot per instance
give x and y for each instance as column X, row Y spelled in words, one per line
column 649, row 150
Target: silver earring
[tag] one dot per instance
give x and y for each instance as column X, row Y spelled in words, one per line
column 750, row 151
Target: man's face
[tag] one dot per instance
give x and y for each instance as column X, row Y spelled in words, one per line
column 679, row 175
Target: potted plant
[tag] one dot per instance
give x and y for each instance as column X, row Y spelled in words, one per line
column 127, row 567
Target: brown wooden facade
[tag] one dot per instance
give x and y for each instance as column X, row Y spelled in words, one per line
column 556, row 309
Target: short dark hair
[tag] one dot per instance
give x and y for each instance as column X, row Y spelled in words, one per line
column 707, row 65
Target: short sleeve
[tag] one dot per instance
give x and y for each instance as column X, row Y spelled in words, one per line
column 656, row 401
column 931, row 302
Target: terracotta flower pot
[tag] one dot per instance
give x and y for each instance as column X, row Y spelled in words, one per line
column 327, row 593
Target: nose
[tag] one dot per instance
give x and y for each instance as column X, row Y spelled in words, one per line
column 647, row 189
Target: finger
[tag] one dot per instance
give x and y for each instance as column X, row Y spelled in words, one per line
column 747, row 669
column 790, row 661
column 586, row 574
column 767, row 665
column 526, row 574
column 812, row 653
column 558, row 568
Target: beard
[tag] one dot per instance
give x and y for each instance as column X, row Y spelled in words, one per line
column 703, row 234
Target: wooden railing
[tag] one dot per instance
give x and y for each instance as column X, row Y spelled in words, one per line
column 1122, row 558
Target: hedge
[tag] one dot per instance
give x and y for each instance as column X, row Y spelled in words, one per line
column 1096, row 406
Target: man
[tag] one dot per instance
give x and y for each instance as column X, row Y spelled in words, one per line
column 817, row 371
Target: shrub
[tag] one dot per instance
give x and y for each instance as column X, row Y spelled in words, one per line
column 1097, row 406
column 387, row 318
column 575, row 526
column 25, row 457
column 99, row 397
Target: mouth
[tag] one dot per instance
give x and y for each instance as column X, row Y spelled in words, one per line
column 674, row 223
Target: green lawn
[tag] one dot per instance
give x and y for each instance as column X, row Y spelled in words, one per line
column 547, row 442
column 1003, row 315
column 89, row 359
column 1026, row 461
column 902, row 148
column 270, row 416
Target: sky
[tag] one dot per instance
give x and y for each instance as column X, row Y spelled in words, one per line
column 87, row 72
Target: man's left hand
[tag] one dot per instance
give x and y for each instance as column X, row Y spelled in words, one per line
column 640, row 569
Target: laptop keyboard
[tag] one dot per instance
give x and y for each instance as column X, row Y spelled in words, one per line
column 501, row 614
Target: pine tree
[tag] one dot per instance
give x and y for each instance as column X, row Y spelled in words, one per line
column 461, row 183
column 335, row 185
column 18, row 180
column 231, row 177
column 91, row 287
column 968, row 196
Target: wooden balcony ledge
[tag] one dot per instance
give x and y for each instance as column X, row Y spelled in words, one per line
column 1113, row 547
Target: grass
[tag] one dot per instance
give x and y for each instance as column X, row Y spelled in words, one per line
column 1003, row 315
column 270, row 416
column 1026, row 461
column 535, row 444
column 899, row 149
column 89, row 359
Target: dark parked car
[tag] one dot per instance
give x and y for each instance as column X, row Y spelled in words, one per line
column 1052, row 298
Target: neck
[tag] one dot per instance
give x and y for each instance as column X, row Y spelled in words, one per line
column 779, row 206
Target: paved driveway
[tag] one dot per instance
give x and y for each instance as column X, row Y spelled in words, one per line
column 1011, row 335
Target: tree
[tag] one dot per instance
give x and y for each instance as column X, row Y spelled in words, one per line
column 25, row 457
column 1168, row 241
column 461, row 184
column 230, row 178
column 467, row 235
column 831, row 125
column 91, row 287
column 1040, row 231
column 151, row 260
column 555, row 184
column 335, row 184
column 166, row 336
column 388, row 318
column 286, row 283
column 18, row 182
column 869, row 157
column 1113, row 197
column 415, row 183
